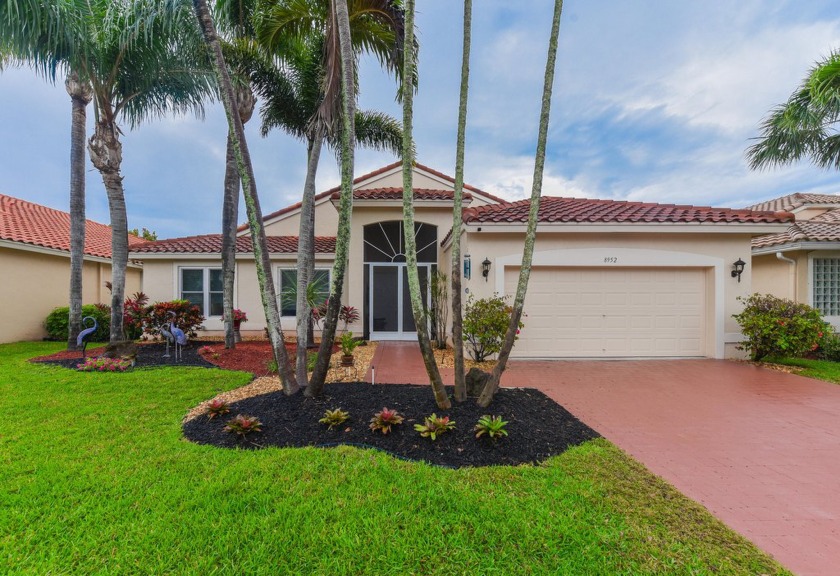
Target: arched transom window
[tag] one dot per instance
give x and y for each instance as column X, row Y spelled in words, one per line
column 385, row 242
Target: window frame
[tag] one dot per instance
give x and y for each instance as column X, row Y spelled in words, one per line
column 205, row 287
column 279, row 276
column 822, row 255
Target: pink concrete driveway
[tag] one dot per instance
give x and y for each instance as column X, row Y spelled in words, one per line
column 759, row 448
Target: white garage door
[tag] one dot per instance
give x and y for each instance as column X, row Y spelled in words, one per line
column 612, row 312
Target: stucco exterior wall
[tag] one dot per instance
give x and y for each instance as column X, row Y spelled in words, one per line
column 780, row 278
column 713, row 252
column 35, row 283
column 326, row 222
column 809, row 213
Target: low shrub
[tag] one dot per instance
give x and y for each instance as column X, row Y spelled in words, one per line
column 333, row 418
column 829, row 348
column 778, row 327
column 57, row 322
column 102, row 364
column 188, row 317
column 242, row 425
column 135, row 311
column 434, row 425
column 485, row 324
column 492, row 426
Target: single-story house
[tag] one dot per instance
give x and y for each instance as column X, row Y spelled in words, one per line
column 35, row 264
column 611, row 279
column 802, row 262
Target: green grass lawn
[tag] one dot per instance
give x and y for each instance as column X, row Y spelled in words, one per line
column 95, row 477
column 819, row 369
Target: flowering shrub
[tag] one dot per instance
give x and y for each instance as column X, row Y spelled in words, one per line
column 102, row 364
column 777, row 327
column 205, row 350
column 239, row 316
column 243, row 425
column 485, row 323
column 434, row 425
column 384, row 419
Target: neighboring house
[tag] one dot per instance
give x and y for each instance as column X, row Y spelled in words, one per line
column 610, row 279
column 35, row 265
column 802, row 262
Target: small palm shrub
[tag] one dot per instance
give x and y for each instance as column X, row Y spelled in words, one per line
column 492, row 426
column 778, row 327
column 384, row 419
column 434, row 425
column 242, row 425
column 333, row 418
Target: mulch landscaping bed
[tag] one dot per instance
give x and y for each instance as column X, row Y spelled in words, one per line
column 149, row 355
column 538, row 427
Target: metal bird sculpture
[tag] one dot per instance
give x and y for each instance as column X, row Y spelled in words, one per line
column 167, row 335
column 82, row 339
column 180, row 337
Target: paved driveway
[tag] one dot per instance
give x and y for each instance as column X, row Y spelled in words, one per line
column 759, row 448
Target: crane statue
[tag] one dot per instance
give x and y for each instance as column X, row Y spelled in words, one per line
column 82, row 339
column 179, row 336
column 167, row 335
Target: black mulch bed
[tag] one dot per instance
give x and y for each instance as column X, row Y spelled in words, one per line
column 151, row 355
column 538, row 428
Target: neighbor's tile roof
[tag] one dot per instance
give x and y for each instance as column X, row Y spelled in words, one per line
column 805, row 231
column 793, row 201
column 397, row 194
column 586, row 210
column 36, row 225
column 212, row 244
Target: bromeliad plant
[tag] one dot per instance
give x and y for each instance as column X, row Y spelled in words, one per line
column 384, row 419
column 242, row 425
column 434, row 426
column 333, row 418
column 102, row 364
column 217, row 408
column 492, row 426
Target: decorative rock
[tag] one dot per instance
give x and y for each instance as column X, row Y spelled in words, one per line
column 476, row 378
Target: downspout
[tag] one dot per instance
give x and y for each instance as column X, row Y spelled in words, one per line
column 792, row 274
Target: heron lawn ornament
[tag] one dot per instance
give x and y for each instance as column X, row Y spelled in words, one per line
column 167, row 335
column 84, row 335
column 179, row 336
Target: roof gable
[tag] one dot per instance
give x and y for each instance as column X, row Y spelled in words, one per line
column 792, row 202
column 37, row 225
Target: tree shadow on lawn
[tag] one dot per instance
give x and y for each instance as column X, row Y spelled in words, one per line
column 538, row 427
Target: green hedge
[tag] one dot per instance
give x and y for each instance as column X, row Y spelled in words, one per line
column 57, row 322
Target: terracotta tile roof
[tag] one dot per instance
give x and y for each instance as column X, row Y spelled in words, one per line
column 806, row 231
column 793, row 201
column 396, row 194
column 586, row 210
column 212, row 244
column 329, row 193
column 830, row 216
column 36, row 225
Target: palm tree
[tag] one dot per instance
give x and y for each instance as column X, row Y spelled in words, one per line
column 408, row 218
column 31, row 33
column 531, row 232
column 806, row 126
column 376, row 27
column 457, row 215
column 252, row 202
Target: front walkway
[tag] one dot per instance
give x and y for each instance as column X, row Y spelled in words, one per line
column 759, row 448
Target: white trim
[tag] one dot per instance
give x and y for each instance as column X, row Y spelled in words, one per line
column 406, row 335
column 12, row 245
column 794, row 246
column 205, row 288
column 217, row 256
column 278, row 268
column 627, row 257
column 605, row 227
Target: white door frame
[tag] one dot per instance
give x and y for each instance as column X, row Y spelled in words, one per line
column 401, row 288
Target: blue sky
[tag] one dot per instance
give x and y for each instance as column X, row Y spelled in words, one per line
column 654, row 101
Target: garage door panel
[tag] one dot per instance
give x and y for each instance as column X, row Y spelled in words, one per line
column 609, row 312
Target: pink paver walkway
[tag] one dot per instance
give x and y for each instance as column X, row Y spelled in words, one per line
column 759, row 448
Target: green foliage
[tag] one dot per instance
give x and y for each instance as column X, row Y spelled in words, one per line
column 217, row 408
column 434, row 425
column 188, row 317
column 778, row 327
column 271, row 365
column 493, row 426
column 485, row 323
column 58, row 320
column 134, row 315
column 102, row 364
column 333, row 418
column 439, row 284
column 145, row 234
column 348, row 343
column 311, row 360
column 243, row 425
column 829, row 347
column 384, row 419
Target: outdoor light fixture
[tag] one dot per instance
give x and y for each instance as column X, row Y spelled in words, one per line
column 485, row 268
column 467, row 266
column 737, row 268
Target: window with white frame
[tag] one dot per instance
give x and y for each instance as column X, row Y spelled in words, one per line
column 203, row 287
column 826, row 285
column 287, row 279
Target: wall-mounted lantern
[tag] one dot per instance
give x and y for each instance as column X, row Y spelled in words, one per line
column 485, row 268
column 738, row 268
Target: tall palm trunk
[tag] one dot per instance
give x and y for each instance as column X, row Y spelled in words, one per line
column 252, row 202
column 457, row 214
column 420, row 319
column 531, row 234
column 342, row 240
column 245, row 102
column 306, row 256
column 80, row 95
column 106, row 155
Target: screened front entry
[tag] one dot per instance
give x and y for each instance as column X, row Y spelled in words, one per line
column 388, row 313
